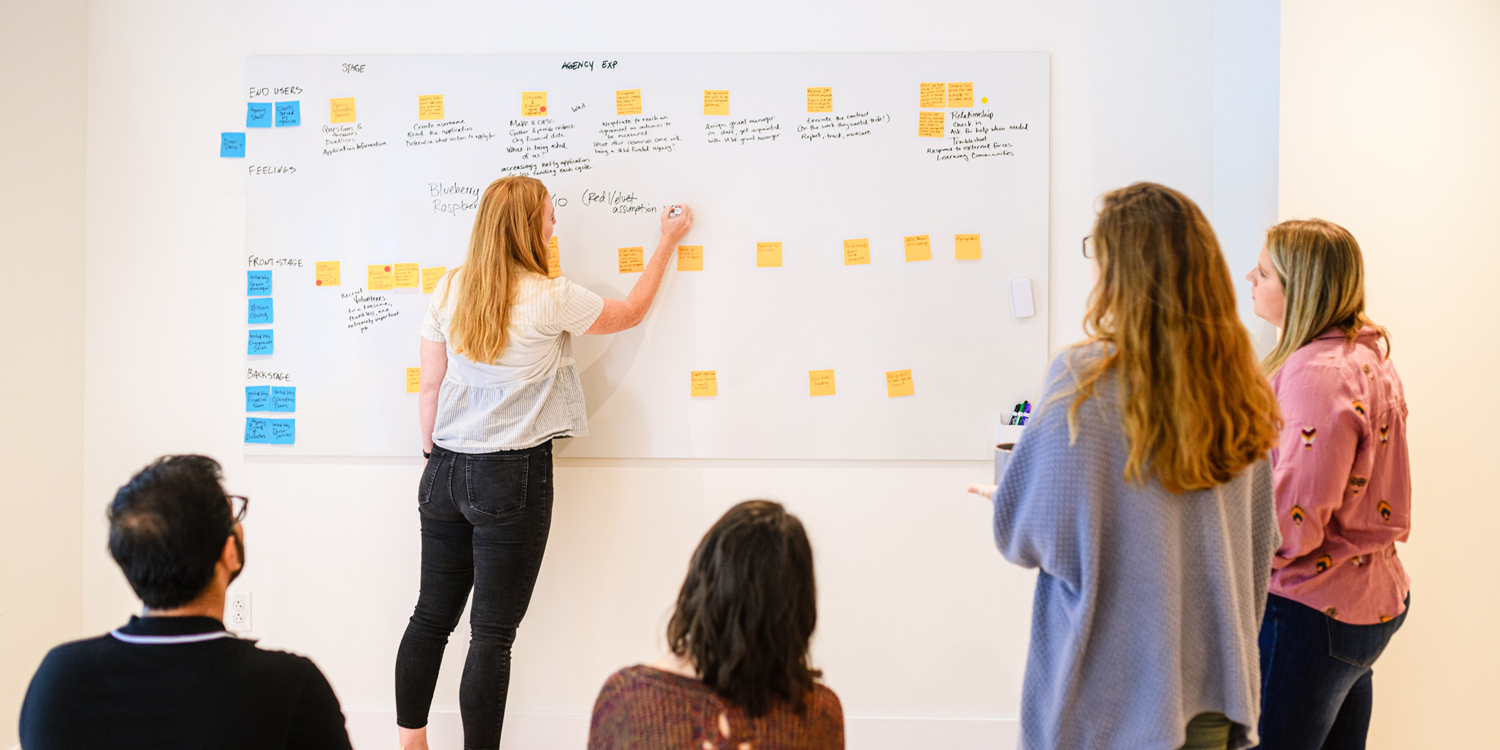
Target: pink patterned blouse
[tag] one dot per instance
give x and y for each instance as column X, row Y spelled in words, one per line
column 1343, row 484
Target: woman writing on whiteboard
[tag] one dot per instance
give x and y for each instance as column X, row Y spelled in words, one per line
column 498, row 385
column 1142, row 492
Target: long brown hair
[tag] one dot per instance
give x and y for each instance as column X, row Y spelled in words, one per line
column 506, row 242
column 1196, row 408
column 1322, row 275
column 748, row 607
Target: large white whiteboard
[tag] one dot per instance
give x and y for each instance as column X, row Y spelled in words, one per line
column 389, row 188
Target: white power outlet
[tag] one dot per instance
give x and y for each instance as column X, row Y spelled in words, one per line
column 237, row 618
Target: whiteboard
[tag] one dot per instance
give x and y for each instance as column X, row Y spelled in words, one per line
column 388, row 187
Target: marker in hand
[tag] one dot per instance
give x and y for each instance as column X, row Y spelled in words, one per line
column 676, row 211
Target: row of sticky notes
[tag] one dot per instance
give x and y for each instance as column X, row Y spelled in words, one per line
column 282, row 114
column 270, row 431
column 270, row 398
column 400, row 276
column 768, row 254
column 951, row 95
column 705, row 383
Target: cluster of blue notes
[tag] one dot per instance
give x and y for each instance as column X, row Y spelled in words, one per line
column 232, row 144
column 262, row 342
column 288, row 114
column 257, row 398
column 283, row 398
column 260, row 311
column 258, row 115
column 258, row 283
column 270, row 431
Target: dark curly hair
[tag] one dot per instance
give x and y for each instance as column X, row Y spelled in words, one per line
column 167, row 527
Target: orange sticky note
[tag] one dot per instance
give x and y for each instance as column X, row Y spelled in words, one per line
column 627, row 102
column 768, row 255
column 430, row 107
column 554, row 259
column 705, row 383
column 632, row 259
column 819, row 98
column 430, row 278
column 690, row 257
column 856, row 252
column 326, row 273
column 381, row 278
column 898, row 383
column 413, row 379
column 933, row 96
column 533, row 104
column 820, row 382
column 715, row 102
column 408, row 276
column 966, row 246
column 341, row 110
column 961, row 94
column 930, row 124
column 917, row 248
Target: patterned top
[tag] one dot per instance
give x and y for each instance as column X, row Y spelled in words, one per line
column 1343, row 484
column 1148, row 604
column 641, row 708
column 532, row 393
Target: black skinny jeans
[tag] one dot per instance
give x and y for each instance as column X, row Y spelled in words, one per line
column 485, row 519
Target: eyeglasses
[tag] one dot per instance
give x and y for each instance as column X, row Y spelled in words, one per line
column 1088, row 246
column 239, row 505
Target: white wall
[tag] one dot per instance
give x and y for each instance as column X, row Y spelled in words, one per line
column 923, row 628
column 43, row 50
column 1389, row 115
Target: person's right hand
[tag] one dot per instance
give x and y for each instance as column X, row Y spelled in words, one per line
column 674, row 227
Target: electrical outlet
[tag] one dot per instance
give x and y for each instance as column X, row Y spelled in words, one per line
column 237, row 617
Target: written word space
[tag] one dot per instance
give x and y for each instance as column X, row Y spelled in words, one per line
column 380, row 278
column 768, row 255
column 341, row 110
column 413, row 379
column 261, row 312
column 430, row 278
column 961, row 95
column 258, row 283
column 430, row 107
column 820, row 383
column 715, row 102
column 533, row 104
column 704, row 383
column 257, row 430
column 288, row 114
column 898, row 383
column 856, row 252
column 407, row 276
column 326, row 273
column 283, row 398
column 966, row 246
column 262, row 342
column 930, row 124
column 819, row 99
column 554, row 259
column 627, row 102
column 257, row 397
column 933, row 96
column 232, row 145
column 281, row 431
column 690, row 257
column 258, row 115
column 632, row 259
column 917, row 248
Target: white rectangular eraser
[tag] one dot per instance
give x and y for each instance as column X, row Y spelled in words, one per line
column 1020, row 298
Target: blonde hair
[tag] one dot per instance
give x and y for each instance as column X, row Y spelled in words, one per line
column 506, row 242
column 1323, row 278
column 1196, row 407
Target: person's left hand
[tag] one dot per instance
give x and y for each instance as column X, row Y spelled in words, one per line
column 988, row 490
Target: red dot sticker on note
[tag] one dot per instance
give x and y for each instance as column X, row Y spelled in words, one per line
column 320, row 282
column 544, row 109
column 387, row 268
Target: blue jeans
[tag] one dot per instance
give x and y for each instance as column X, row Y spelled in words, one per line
column 485, row 518
column 1317, row 686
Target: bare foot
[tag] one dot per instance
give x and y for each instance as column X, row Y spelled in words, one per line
column 412, row 739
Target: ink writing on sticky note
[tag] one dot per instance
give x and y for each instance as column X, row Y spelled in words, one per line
column 261, row 312
column 406, row 276
column 918, row 247
column 257, row 430
column 966, row 246
column 257, row 397
column 819, row 99
column 258, row 115
column 232, row 145
column 715, row 102
column 554, row 258
column 288, row 114
column 533, row 104
column 627, row 102
column 961, row 95
column 690, row 257
column 281, row 431
column 857, row 252
column 258, row 283
column 898, row 383
column 430, row 107
column 430, row 278
column 413, row 379
column 820, row 382
column 380, row 278
column 632, row 259
column 930, row 124
column 262, row 342
column 283, row 398
column 341, row 110
column 933, row 96
column 705, row 383
column 768, row 255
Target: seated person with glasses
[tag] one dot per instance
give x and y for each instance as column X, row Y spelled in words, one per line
column 174, row 677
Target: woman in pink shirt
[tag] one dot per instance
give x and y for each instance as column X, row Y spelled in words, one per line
column 1343, row 491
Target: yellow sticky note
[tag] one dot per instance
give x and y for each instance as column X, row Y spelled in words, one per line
column 819, row 98
column 715, row 102
column 341, row 110
column 856, row 252
column 930, row 124
column 933, row 95
column 705, row 383
column 413, row 379
column 554, row 259
column 430, row 107
column 430, row 278
column 961, row 94
column 381, row 278
column 632, row 259
column 690, row 257
column 768, row 255
column 966, row 246
column 533, row 104
column 627, row 102
column 326, row 273
column 898, row 383
column 408, row 276
column 820, row 382
column 917, row 248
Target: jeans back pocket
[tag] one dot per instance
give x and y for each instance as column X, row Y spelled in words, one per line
column 496, row 483
column 1359, row 645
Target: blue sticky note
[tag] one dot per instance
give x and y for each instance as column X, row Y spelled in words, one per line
column 257, row 430
column 232, row 144
column 283, row 431
column 288, row 114
column 262, row 341
column 257, row 398
column 258, row 115
column 283, row 399
column 260, row 311
column 258, row 283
